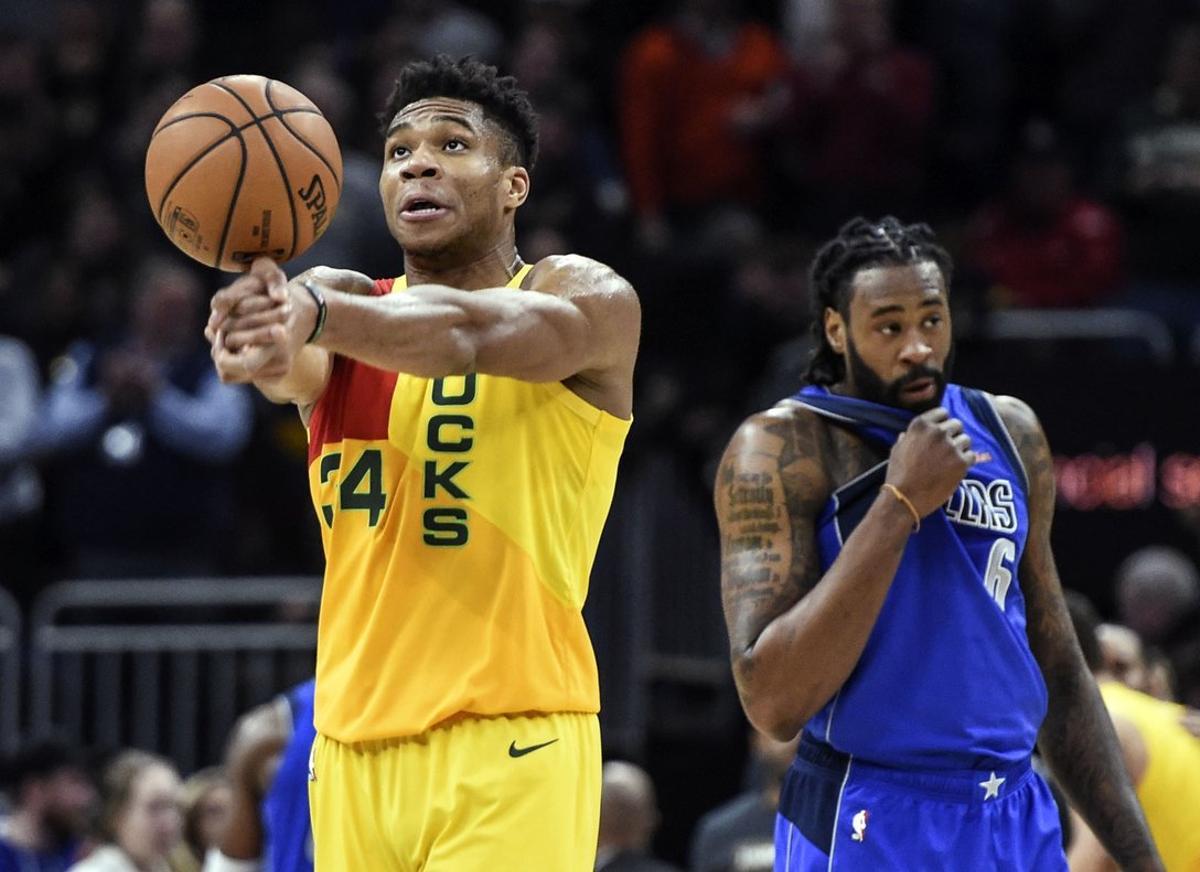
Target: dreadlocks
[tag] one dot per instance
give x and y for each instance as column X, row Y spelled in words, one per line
column 861, row 244
column 502, row 101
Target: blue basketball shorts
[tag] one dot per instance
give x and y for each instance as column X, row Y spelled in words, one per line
column 838, row 813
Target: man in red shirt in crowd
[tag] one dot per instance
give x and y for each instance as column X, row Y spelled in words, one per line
column 1044, row 245
column 696, row 93
column 861, row 113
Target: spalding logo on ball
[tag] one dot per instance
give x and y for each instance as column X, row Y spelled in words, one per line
column 240, row 167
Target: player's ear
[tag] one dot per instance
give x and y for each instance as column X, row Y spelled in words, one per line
column 517, row 179
column 835, row 330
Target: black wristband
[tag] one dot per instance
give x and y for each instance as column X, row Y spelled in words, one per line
column 319, row 299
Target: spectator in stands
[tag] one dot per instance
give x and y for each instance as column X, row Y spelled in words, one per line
column 166, row 44
column 1123, row 655
column 1158, row 597
column 1158, row 593
column 20, row 487
column 82, row 65
column 628, row 819
column 142, row 434
column 140, row 822
column 1148, row 670
column 806, row 25
column 860, row 117
column 51, row 800
column 1162, row 757
column 763, row 320
column 1158, row 183
column 205, row 800
column 1041, row 243
column 581, row 196
column 269, row 825
column 739, row 836
column 696, row 93
column 1130, row 662
column 769, row 303
column 547, row 53
column 458, row 30
column 162, row 47
column 74, row 284
column 970, row 42
column 1107, row 53
column 1161, row 681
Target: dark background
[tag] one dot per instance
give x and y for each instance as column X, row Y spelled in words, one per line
column 721, row 337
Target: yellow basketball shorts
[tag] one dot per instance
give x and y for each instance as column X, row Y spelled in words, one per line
column 497, row 794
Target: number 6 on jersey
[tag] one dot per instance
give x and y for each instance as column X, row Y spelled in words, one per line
column 998, row 577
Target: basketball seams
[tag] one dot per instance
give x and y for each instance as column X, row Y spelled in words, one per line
column 199, row 157
column 233, row 201
column 278, row 162
column 279, row 114
column 233, row 128
column 336, row 180
column 239, row 128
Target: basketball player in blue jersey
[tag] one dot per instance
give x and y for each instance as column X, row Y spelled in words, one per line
column 890, row 594
column 269, row 828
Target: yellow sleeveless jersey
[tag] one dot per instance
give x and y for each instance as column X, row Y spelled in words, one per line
column 460, row 517
column 1170, row 787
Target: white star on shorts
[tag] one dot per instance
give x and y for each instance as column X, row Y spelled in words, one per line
column 991, row 787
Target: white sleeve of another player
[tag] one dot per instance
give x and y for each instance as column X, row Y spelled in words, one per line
column 215, row 861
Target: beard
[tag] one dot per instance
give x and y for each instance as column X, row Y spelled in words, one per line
column 874, row 389
column 64, row 825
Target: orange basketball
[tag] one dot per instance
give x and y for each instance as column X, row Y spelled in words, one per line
column 243, row 166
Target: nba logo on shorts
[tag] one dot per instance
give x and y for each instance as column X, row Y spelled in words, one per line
column 859, row 822
column 312, row 762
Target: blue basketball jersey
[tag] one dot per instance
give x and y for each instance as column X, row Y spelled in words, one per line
column 947, row 679
column 19, row 860
column 287, row 829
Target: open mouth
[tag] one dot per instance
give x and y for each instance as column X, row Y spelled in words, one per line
column 418, row 205
column 921, row 389
column 422, row 209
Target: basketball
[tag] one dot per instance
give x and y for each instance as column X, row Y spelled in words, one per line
column 243, row 166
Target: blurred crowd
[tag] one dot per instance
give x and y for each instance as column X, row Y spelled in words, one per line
column 115, row 810
column 702, row 147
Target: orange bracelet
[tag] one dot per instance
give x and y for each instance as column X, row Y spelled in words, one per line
column 895, row 491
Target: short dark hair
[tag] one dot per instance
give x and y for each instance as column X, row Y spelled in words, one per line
column 861, row 244
column 502, row 101
column 1086, row 621
column 38, row 761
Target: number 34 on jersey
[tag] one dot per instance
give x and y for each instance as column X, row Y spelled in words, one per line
column 353, row 478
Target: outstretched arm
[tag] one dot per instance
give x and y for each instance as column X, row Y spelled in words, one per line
column 577, row 318
column 1077, row 736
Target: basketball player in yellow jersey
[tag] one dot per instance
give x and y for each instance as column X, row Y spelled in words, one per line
column 465, row 421
column 1161, row 754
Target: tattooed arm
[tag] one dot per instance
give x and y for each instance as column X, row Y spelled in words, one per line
column 795, row 634
column 1086, row 853
column 1077, row 736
